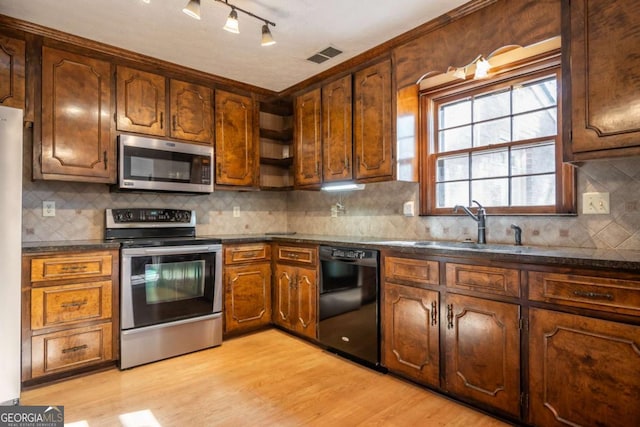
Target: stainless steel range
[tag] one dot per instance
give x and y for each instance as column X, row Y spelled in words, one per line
column 170, row 281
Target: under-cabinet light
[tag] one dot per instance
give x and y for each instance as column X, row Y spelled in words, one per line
column 342, row 187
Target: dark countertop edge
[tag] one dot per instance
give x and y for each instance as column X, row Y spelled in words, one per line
column 570, row 257
column 67, row 245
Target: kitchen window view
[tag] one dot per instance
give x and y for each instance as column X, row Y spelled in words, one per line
column 499, row 144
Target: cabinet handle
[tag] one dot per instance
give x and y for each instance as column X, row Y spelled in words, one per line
column 74, row 304
column 173, row 122
column 105, row 159
column 74, row 348
column 434, row 313
column 73, row 268
column 161, row 120
column 219, row 169
column 594, row 295
column 449, row 316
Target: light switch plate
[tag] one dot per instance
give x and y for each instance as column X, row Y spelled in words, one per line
column 236, row 211
column 595, row 203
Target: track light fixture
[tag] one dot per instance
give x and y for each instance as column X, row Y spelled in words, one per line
column 482, row 67
column 193, row 10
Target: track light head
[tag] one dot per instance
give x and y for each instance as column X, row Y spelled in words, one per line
column 267, row 38
column 232, row 22
column 193, row 9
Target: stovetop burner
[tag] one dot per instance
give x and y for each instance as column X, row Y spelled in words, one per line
column 142, row 227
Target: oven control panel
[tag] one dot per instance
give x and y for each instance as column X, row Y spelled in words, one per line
column 142, row 215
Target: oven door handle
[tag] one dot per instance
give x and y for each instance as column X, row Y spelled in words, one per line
column 174, row 250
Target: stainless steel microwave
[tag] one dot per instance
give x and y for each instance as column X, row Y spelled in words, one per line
column 162, row 165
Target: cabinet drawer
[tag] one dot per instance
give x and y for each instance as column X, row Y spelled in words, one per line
column 60, row 305
column 71, row 267
column 300, row 255
column 493, row 280
column 247, row 253
column 412, row 270
column 73, row 348
column 600, row 293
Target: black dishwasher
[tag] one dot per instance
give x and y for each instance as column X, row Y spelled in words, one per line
column 349, row 309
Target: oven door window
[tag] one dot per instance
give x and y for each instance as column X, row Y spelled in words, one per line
column 171, row 287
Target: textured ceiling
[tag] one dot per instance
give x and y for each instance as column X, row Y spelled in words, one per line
column 303, row 27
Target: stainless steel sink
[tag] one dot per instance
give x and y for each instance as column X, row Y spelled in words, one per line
column 470, row 246
column 473, row 246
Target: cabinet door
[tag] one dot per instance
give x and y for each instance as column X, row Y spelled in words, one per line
column 236, row 154
column 247, row 297
column 483, row 351
column 285, row 305
column 582, row 371
column 141, row 102
column 306, row 302
column 605, row 77
column 308, row 139
column 372, row 122
column 410, row 333
column 12, row 86
column 191, row 112
column 336, row 131
column 76, row 102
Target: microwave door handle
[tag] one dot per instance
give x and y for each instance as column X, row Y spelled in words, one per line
column 177, row 250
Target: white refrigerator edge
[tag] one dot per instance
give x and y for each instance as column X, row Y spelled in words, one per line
column 10, row 252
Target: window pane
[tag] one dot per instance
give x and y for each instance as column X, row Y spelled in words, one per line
column 455, row 139
column 493, row 132
column 489, row 164
column 532, row 159
column 449, row 194
column 455, row 114
column 534, row 96
column 453, row 168
column 535, row 125
column 539, row 190
column 490, row 106
column 491, row 192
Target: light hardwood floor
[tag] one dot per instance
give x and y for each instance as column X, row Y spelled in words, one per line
column 264, row 379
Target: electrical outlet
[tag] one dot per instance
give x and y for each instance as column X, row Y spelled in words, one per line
column 595, row 203
column 236, row 211
column 408, row 208
column 48, row 208
column 334, row 211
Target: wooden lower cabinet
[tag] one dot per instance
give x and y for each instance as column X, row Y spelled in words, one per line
column 70, row 317
column 247, row 297
column 583, row 371
column 410, row 333
column 296, row 299
column 482, row 343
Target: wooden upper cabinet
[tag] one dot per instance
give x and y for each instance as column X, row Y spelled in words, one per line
column 308, row 139
column 337, row 131
column 372, row 122
column 237, row 156
column 141, row 102
column 12, row 63
column 604, row 64
column 76, row 140
column 191, row 112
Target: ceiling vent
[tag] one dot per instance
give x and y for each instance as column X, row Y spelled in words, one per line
column 324, row 55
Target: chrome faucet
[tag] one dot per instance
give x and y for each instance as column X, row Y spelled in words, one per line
column 480, row 218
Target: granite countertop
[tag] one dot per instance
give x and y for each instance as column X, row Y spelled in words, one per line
column 582, row 257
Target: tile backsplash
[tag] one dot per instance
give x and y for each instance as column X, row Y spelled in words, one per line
column 375, row 211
